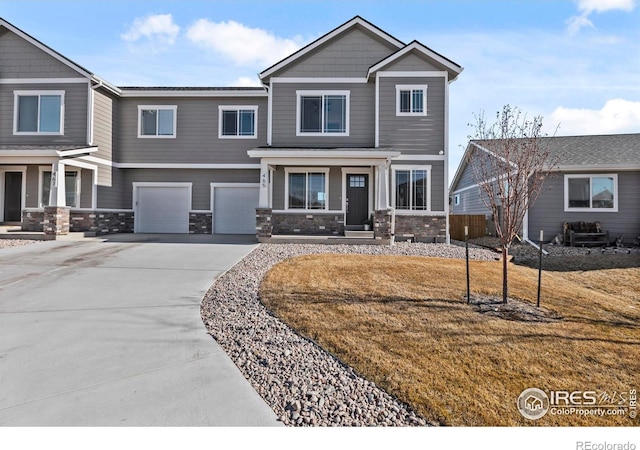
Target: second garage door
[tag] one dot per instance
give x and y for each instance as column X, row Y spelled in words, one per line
column 234, row 209
column 162, row 208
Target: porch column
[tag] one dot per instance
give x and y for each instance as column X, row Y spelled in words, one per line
column 382, row 188
column 263, row 199
column 57, row 192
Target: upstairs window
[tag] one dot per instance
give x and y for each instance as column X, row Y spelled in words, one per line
column 38, row 112
column 411, row 100
column 412, row 188
column 591, row 193
column 237, row 122
column 157, row 121
column 321, row 113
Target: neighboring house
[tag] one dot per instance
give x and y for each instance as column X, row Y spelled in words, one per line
column 351, row 126
column 597, row 179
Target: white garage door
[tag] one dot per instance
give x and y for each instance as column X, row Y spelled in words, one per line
column 234, row 210
column 162, row 209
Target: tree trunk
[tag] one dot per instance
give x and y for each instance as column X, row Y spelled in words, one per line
column 505, row 266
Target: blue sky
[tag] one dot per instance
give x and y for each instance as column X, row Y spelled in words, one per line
column 576, row 63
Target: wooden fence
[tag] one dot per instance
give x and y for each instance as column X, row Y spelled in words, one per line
column 477, row 224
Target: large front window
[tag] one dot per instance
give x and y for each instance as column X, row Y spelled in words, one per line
column 157, row 121
column 38, row 112
column 307, row 190
column 412, row 189
column 72, row 188
column 591, row 192
column 237, row 121
column 323, row 113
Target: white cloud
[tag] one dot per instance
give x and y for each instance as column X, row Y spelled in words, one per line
column 586, row 7
column 159, row 28
column 589, row 6
column 616, row 116
column 241, row 44
column 247, row 82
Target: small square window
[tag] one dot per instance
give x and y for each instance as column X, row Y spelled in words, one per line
column 357, row 181
column 411, row 100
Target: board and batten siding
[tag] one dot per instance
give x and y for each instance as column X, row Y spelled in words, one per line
column 201, row 179
column 350, row 55
column 196, row 140
column 104, row 112
column 361, row 116
column 548, row 213
column 75, row 115
column 413, row 134
column 21, row 59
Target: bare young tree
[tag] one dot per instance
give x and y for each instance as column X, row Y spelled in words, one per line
column 510, row 161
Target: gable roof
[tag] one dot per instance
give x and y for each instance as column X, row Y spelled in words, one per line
column 356, row 21
column 451, row 67
column 588, row 153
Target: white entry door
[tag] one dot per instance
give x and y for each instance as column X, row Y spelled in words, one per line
column 162, row 208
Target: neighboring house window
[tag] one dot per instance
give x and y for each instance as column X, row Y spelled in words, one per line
column 71, row 183
column 322, row 113
column 237, row 122
column 157, row 121
column 38, row 112
column 412, row 188
column 591, row 192
column 411, row 100
column 456, row 199
column 307, row 189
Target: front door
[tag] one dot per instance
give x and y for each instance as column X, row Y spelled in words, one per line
column 12, row 196
column 357, row 199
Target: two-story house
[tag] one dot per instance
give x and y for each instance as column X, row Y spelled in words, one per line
column 351, row 127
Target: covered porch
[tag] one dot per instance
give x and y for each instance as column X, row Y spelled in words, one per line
column 331, row 193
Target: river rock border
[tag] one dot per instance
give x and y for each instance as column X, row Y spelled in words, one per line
column 300, row 381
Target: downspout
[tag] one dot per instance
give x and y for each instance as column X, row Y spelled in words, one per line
column 390, row 209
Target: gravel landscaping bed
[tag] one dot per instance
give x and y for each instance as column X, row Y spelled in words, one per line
column 8, row 243
column 303, row 384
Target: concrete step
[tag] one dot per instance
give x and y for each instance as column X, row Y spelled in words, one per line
column 358, row 234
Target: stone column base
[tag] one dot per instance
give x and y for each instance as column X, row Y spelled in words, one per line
column 56, row 220
column 264, row 225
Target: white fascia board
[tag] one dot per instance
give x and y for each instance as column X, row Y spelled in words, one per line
column 598, row 168
column 461, row 167
column 480, row 147
column 406, row 157
column 320, row 154
column 324, row 162
column 408, row 73
column 183, row 166
column 422, row 49
column 43, row 80
column 309, row 48
column 80, row 164
column 204, row 93
column 67, row 62
column 349, row 80
column 78, row 151
column 30, row 153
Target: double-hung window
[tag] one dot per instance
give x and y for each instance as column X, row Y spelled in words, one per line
column 71, row 184
column 237, row 122
column 307, row 189
column 412, row 188
column 591, row 192
column 38, row 112
column 157, row 121
column 322, row 113
column 411, row 100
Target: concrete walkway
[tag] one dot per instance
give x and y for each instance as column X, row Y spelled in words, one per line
column 108, row 333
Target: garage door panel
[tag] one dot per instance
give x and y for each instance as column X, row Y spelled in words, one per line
column 235, row 210
column 163, row 209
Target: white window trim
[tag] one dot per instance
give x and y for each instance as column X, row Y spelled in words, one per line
column 173, row 108
column 237, row 108
column 322, row 93
column 411, row 87
column 393, row 190
column 306, row 170
column 456, row 199
column 78, row 171
column 17, row 94
column 616, row 193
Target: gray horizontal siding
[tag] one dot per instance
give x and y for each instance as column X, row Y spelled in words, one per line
column 548, row 212
column 410, row 62
column 361, row 122
column 201, row 179
column 470, row 203
column 413, row 134
column 197, row 133
column 350, row 55
column 111, row 193
column 20, row 59
column 75, row 115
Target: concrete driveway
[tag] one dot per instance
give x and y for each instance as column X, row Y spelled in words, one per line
column 108, row 333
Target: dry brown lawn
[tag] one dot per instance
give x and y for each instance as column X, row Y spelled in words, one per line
column 403, row 322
